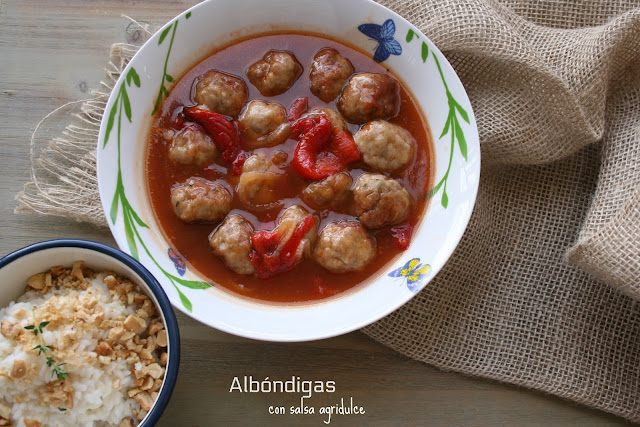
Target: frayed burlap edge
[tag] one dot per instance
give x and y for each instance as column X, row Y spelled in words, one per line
column 63, row 169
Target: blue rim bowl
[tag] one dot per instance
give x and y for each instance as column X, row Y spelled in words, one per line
column 147, row 282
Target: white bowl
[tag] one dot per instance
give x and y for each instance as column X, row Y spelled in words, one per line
column 17, row 267
column 422, row 68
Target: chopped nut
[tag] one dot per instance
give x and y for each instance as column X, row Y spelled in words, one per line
column 157, row 384
column 58, row 270
column 76, row 270
column 129, row 299
column 145, row 400
column 147, row 383
column 89, row 302
column 145, row 354
column 4, row 422
column 104, row 349
column 135, row 323
column 127, row 422
column 132, row 359
column 115, row 333
column 36, row 281
column 164, row 357
column 20, row 313
column 68, row 337
column 141, row 414
column 19, row 369
column 155, row 370
column 148, row 307
column 28, row 422
column 122, row 353
column 139, row 298
column 115, row 384
column 133, row 392
column 110, row 281
column 87, row 272
column 127, row 336
column 5, row 411
column 9, row 330
column 47, row 280
column 151, row 343
column 105, row 360
column 155, row 327
column 161, row 338
column 140, row 373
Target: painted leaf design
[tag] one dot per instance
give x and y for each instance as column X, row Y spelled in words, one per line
column 410, row 35
column 164, row 33
column 110, row 122
column 425, row 52
column 185, row 301
column 192, row 284
column 133, row 75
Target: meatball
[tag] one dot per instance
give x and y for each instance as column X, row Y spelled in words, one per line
column 380, row 201
column 289, row 220
column 276, row 72
column 344, row 246
column 329, row 72
column 334, row 117
column 232, row 242
column 328, row 192
column 262, row 180
column 200, row 200
column 384, row 146
column 264, row 124
column 192, row 146
column 369, row 96
column 222, row 93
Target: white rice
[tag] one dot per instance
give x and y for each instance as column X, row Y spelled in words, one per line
column 95, row 400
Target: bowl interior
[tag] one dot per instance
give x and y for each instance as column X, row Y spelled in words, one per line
column 17, row 267
column 192, row 36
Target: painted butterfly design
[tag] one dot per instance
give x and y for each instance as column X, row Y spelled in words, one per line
column 383, row 34
column 414, row 273
column 177, row 261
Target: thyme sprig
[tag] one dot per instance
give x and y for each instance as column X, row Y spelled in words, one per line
column 57, row 368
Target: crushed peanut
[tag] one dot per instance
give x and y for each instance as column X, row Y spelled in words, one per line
column 18, row 370
column 139, row 339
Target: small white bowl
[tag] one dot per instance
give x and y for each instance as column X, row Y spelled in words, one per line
column 17, row 267
column 176, row 48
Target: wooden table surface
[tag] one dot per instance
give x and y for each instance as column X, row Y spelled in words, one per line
column 53, row 52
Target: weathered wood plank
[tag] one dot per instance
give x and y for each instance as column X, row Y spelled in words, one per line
column 52, row 52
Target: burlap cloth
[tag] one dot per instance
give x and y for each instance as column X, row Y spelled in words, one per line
column 542, row 291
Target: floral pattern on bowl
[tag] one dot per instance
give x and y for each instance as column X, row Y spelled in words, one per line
column 414, row 59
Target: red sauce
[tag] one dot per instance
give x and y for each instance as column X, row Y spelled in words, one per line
column 308, row 281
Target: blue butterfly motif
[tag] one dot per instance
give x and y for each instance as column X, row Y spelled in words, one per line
column 414, row 273
column 383, row 34
column 181, row 267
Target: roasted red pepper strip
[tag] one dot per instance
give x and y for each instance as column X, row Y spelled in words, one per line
column 344, row 147
column 223, row 133
column 271, row 256
column 321, row 151
column 402, row 236
column 313, row 133
column 236, row 166
column 298, row 107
